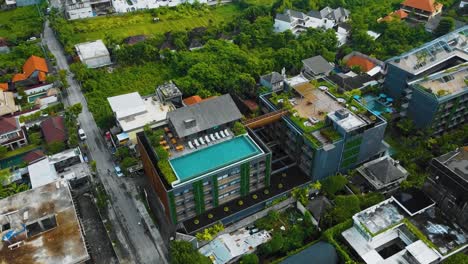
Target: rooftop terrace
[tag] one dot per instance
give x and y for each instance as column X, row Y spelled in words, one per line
column 378, row 218
column 41, row 226
column 447, row 82
column 457, row 161
column 418, row 60
column 313, row 102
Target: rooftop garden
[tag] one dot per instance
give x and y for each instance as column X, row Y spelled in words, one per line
column 155, row 137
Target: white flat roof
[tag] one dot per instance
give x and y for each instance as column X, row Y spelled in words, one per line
column 42, row 173
column 422, row 252
column 126, row 104
column 154, row 112
column 296, row 80
column 91, row 49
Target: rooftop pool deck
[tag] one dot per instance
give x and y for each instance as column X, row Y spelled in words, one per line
column 214, row 157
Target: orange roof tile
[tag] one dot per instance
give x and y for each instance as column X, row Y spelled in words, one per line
column 365, row 64
column 35, row 63
column 42, row 76
column 3, row 86
column 19, row 77
column 426, row 5
column 400, row 13
column 192, row 100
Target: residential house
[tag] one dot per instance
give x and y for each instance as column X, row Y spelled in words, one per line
column 35, row 71
column 133, row 112
column 68, row 164
column 291, row 20
column 298, row 22
column 428, row 82
column 47, row 215
column 370, row 66
column 447, row 184
column 384, row 174
column 12, row 135
column 93, row 54
column 273, row 81
column 327, row 17
column 421, row 9
column 7, row 103
column 400, row 14
column 53, row 129
column 78, row 9
column 316, row 67
column 343, row 31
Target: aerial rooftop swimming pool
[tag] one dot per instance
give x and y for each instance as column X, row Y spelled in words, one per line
column 214, row 157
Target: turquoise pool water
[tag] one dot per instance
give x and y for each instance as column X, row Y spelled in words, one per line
column 33, row 98
column 213, row 157
column 374, row 105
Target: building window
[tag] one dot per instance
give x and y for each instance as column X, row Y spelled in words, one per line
column 186, row 191
column 206, row 183
column 222, row 177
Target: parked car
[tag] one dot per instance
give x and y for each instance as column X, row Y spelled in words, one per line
column 81, row 134
column 118, row 171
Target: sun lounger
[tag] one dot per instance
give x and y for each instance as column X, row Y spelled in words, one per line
column 212, row 137
column 179, row 148
column 196, row 142
column 190, row 144
column 226, row 132
column 207, row 139
column 202, row 141
column 217, row 135
column 222, row 134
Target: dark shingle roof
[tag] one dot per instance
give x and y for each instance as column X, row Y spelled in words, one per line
column 204, row 115
column 385, row 171
column 273, row 77
column 283, row 17
column 315, row 13
column 318, row 207
column 317, row 64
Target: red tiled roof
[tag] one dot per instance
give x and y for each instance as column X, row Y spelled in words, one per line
column 426, row 5
column 4, row 86
column 251, row 104
column 365, row 64
column 33, row 156
column 192, row 100
column 8, row 124
column 53, row 129
column 400, row 13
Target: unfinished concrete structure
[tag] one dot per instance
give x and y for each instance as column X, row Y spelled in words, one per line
column 41, row 226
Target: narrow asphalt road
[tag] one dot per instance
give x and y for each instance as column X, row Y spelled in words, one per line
column 142, row 248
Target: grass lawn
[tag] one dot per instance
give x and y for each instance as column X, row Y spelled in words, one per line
column 142, row 79
column 20, row 23
column 122, row 26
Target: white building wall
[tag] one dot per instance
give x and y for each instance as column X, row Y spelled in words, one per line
column 281, row 26
column 80, row 13
column 97, row 62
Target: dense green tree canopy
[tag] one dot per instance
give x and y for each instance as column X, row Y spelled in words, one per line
column 182, row 252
